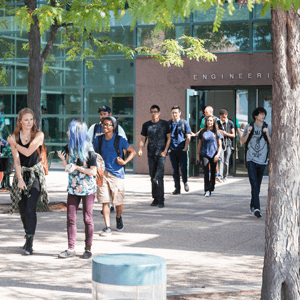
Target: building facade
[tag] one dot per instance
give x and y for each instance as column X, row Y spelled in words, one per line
column 239, row 80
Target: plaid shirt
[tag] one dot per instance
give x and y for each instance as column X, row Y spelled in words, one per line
column 16, row 193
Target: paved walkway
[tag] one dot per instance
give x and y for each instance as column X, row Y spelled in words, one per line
column 211, row 244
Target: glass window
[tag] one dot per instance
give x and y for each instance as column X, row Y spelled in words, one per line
column 111, row 72
column 22, row 74
column 262, row 36
column 232, row 37
column 20, row 40
column 58, row 39
column 124, row 21
column 62, row 101
column 7, row 38
column 7, row 125
column 240, row 13
column 146, row 37
column 119, row 99
column 257, row 12
column 67, row 73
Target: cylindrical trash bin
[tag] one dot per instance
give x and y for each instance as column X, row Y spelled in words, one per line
column 129, row 276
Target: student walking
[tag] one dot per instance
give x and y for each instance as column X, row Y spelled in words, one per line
column 228, row 133
column 209, row 149
column 159, row 138
column 257, row 139
column 80, row 162
column 29, row 179
column 110, row 146
column 180, row 138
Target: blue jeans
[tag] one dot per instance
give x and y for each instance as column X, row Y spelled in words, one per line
column 255, row 172
column 156, row 171
column 178, row 159
column 224, row 162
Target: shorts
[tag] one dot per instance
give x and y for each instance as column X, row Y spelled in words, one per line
column 112, row 190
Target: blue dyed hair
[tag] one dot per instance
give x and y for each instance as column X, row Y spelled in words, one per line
column 79, row 142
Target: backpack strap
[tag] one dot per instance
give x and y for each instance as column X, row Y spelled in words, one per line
column 182, row 126
column 117, row 146
column 247, row 142
column 100, row 140
column 95, row 130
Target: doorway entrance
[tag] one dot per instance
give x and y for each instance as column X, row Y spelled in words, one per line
column 240, row 101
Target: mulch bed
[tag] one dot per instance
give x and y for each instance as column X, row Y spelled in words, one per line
column 250, row 295
column 53, row 206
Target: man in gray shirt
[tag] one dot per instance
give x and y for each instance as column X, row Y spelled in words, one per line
column 257, row 137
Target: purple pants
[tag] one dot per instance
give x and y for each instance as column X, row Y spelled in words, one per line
column 72, row 206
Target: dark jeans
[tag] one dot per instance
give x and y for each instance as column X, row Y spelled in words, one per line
column 27, row 208
column 209, row 183
column 72, row 207
column 156, row 171
column 178, row 159
column 255, row 172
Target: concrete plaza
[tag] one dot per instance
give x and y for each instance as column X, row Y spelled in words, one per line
column 211, row 244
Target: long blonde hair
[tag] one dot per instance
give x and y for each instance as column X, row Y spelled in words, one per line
column 18, row 128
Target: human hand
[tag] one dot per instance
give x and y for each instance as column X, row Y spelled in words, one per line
column 249, row 129
column 216, row 158
column 164, row 153
column 61, row 154
column 184, row 149
column 21, row 184
column 140, row 152
column 198, row 159
column 266, row 131
column 120, row 161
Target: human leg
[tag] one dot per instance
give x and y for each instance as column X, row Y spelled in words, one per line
column 252, row 173
column 227, row 155
column 159, row 175
column 87, row 205
column 175, row 167
column 205, row 163
column 221, row 166
column 72, row 206
column 212, row 181
column 152, row 171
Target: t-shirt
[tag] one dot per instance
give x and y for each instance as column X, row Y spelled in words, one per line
column 177, row 136
column 109, row 154
column 209, row 145
column 157, row 136
column 257, row 147
column 81, row 184
column 100, row 131
column 227, row 126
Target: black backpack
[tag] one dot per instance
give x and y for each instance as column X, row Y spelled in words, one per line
column 182, row 125
column 263, row 134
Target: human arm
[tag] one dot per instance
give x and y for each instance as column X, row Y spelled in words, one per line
column 246, row 134
column 37, row 141
column 64, row 157
column 216, row 158
column 15, row 153
column 164, row 153
column 91, row 171
column 141, row 145
column 187, row 141
column 266, row 131
column 225, row 133
column 199, row 150
column 131, row 155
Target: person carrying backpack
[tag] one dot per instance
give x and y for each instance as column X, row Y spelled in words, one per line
column 110, row 146
column 257, row 139
column 180, row 138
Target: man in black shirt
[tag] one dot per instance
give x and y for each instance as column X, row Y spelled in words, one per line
column 159, row 138
column 228, row 132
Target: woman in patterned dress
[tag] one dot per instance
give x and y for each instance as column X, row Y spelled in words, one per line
column 80, row 161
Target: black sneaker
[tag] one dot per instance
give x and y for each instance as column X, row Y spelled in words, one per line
column 86, row 254
column 67, row 253
column 186, row 187
column 175, row 192
column 106, row 231
column 161, row 205
column 154, row 203
column 120, row 225
column 257, row 213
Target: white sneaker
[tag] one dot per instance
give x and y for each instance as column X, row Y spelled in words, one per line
column 207, row 194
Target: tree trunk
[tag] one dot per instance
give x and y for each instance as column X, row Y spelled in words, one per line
column 281, row 264
column 35, row 66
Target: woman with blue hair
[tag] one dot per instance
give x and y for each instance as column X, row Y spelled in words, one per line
column 80, row 161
